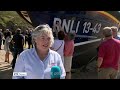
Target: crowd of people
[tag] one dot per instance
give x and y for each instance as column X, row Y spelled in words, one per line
column 109, row 54
column 47, row 48
column 14, row 43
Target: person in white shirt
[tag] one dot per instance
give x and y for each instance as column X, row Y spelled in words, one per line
column 36, row 62
column 58, row 45
column 6, row 46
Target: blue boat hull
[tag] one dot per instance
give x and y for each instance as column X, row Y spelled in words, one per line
column 86, row 24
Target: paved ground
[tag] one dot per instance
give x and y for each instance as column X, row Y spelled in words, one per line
column 90, row 72
column 6, row 70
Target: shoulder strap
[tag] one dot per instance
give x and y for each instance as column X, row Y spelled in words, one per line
column 59, row 47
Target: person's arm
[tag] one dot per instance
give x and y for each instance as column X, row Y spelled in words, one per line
column 13, row 39
column 101, row 53
column 99, row 62
column 19, row 67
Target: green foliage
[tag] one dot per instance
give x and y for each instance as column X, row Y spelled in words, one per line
column 10, row 19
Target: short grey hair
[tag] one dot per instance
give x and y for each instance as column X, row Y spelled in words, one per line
column 114, row 29
column 40, row 30
column 107, row 31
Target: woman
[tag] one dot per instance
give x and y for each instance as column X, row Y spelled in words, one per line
column 6, row 46
column 68, row 53
column 37, row 62
column 58, row 45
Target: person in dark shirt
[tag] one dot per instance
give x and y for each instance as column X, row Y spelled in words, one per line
column 18, row 41
column 26, row 37
column 1, row 38
column 29, row 39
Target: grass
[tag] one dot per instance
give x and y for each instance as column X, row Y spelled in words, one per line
column 6, row 16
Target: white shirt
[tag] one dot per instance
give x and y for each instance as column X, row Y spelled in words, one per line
column 29, row 62
column 7, row 42
column 59, row 43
